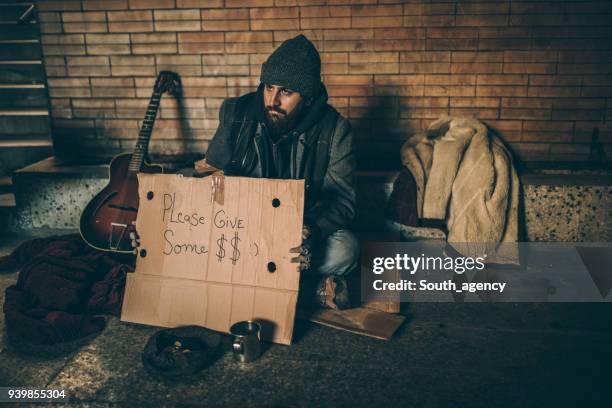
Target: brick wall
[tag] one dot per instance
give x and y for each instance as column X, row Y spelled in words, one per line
column 536, row 72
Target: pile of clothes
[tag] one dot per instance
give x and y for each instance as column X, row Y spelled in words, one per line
column 63, row 288
column 460, row 174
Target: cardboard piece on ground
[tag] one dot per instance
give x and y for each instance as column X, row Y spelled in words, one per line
column 367, row 322
column 390, row 304
column 216, row 251
column 387, row 306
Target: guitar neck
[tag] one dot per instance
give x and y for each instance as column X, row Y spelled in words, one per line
column 142, row 145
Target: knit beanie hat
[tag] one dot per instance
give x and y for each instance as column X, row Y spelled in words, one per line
column 180, row 351
column 295, row 65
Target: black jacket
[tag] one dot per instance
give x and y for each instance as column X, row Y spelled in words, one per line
column 321, row 153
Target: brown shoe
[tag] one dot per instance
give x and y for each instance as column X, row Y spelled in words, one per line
column 332, row 293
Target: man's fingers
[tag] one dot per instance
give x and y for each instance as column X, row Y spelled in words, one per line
column 305, row 232
column 295, row 250
column 299, row 259
column 202, row 166
column 135, row 240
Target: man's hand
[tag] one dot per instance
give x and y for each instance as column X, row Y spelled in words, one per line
column 304, row 250
column 135, row 240
column 201, row 166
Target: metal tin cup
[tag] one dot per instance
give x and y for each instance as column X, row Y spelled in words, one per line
column 247, row 340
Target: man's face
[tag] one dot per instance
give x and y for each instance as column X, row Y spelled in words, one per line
column 282, row 107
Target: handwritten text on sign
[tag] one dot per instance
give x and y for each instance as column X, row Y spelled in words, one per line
column 236, row 230
column 221, row 220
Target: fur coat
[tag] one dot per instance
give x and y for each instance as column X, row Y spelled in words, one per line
column 466, row 177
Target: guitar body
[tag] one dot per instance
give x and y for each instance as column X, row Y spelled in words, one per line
column 108, row 219
column 110, row 216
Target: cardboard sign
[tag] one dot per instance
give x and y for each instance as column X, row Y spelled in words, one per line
column 214, row 251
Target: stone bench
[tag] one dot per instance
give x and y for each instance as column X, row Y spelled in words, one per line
column 559, row 205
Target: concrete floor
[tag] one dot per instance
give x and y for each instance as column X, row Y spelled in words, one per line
column 489, row 355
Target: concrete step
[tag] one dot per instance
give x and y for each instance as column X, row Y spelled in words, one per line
column 6, row 184
column 16, row 153
column 20, row 151
column 7, row 200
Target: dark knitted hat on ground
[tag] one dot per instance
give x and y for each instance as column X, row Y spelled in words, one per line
column 295, row 65
column 180, row 351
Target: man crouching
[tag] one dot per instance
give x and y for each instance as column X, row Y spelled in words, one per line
column 287, row 130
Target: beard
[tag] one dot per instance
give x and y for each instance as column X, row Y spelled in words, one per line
column 282, row 122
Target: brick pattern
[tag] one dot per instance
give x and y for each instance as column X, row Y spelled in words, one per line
column 538, row 73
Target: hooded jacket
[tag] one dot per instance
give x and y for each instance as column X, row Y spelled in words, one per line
column 321, row 153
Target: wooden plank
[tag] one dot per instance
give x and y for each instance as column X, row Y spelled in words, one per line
column 24, row 125
column 22, row 74
column 20, row 52
column 366, row 322
column 23, row 98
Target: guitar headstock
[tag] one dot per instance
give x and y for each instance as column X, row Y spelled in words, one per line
column 167, row 81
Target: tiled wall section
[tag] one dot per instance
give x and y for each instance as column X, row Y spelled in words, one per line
column 536, row 72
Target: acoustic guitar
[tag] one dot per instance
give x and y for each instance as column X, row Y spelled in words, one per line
column 110, row 216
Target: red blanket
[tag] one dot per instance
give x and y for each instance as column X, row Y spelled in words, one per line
column 62, row 285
